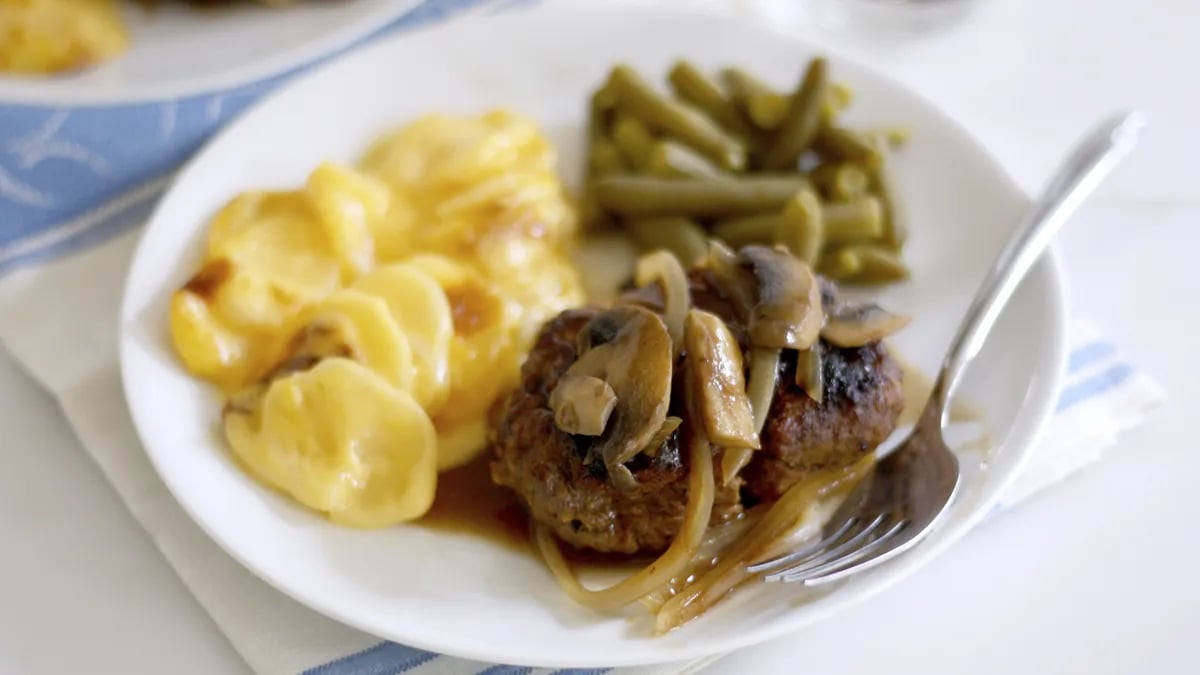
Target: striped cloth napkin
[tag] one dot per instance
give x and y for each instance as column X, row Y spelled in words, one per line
column 74, row 186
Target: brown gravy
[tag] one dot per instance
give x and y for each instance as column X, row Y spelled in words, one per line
column 468, row 501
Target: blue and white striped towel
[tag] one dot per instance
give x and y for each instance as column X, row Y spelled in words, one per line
column 75, row 183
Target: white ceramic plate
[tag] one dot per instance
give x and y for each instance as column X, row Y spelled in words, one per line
column 177, row 51
column 466, row 596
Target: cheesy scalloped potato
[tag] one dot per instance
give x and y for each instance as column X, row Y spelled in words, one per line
column 48, row 36
column 364, row 325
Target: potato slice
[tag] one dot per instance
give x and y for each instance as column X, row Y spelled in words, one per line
column 422, row 311
column 206, row 347
column 358, row 326
column 339, row 439
column 348, row 203
column 278, row 256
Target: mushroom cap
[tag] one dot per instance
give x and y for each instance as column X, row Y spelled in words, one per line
column 629, row 348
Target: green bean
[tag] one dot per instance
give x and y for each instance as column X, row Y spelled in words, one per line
column 604, row 158
column 840, row 264
column 878, row 265
column 760, row 103
column 634, row 141
column 837, row 98
column 681, row 236
column 857, row 221
column 692, row 85
column 897, row 136
column 671, row 159
column 802, row 121
column 600, row 113
column 675, row 119
column 802, row 226
column 739, row 232
column 895, row 230
column 840, row 182
column 696, row 197
column 844, row 145
column 841, row 95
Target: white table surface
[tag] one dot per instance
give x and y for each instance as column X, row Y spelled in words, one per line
column 1096, row 576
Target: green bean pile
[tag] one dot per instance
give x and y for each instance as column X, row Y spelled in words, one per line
column 731, row 157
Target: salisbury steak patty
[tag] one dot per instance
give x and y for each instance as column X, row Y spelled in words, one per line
column 863, row 399
column 549, row 469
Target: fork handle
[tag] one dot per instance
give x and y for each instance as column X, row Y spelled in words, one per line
column 1093, row 158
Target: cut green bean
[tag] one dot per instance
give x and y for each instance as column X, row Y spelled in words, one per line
column 600, row 113
column 692, row 85
column 840, row 182
column 739, row 232
column 858, row 221
column 634, row 141
column 878, row 265
column 837, row 98
column 675, row 160
column 897, row 136
column 676, row 119
column 895, row 229
column 681, row 236
column 604, row 158
column 840, row 264
column 758, row 101
column 803, row 118
column 844, row 145
column 802, row 226
column 696, row 197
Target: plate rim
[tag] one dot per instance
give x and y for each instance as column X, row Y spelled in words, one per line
column 1026, row 431
column 49, row 91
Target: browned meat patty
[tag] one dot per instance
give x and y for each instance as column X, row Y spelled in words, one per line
column 863, row 398
column 547, row 467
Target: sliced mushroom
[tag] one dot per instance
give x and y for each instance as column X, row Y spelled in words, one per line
column 664, row 432
column 787, row 311
column 857, row 325
column 582, row 404
column 716, row 382
column 664, row 268
column 734, row 282
column 629, row 348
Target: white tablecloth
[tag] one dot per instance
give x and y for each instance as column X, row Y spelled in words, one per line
column 1095, row 577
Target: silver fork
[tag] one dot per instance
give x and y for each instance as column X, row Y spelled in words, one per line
column 902, row 500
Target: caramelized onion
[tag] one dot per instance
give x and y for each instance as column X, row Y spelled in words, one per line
column 716, row 541
column 810, row 375
column 760, row 389
column 664, row 268
column 658, row 574
column 794, row 511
